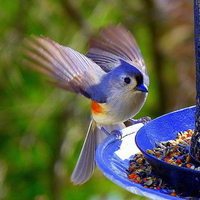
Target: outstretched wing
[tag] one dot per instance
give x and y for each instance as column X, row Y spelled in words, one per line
column 116, row 43
column 72, row 70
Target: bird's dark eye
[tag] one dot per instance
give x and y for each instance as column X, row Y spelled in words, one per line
column 127, row 80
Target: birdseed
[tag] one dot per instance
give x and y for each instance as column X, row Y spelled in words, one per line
column 175, row 152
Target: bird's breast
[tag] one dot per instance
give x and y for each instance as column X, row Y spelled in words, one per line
column 117, row 110
column 100, row 113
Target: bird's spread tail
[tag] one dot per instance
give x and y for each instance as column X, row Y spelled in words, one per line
column 86, row 161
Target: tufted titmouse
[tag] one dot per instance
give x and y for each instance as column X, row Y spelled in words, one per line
column 112, row 74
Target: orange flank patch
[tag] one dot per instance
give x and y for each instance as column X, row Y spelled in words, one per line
column 96, row 108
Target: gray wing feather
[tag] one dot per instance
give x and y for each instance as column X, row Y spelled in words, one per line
column 86, row 162
column 116, row 43
column 72, row 70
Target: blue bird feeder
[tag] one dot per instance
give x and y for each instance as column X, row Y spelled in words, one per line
column 113, row 155
column 184, row 180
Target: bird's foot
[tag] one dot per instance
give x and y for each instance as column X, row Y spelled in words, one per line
column 117, row 133
column 114, row 132
column 143, row 120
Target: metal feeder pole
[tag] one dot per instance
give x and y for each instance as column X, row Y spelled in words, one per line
column 195, row 142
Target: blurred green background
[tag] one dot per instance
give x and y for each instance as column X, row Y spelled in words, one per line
column 42, row 128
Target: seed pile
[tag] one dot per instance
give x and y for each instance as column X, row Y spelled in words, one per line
column 140, row 171
column 173, row 151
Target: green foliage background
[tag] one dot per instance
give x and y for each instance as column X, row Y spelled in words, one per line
column 41, row 127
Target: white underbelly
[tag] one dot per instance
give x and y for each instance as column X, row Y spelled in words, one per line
column 117, row 113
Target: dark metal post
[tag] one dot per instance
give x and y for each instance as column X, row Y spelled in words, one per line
column 195, row 142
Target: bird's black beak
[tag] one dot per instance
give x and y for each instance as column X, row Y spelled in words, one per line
column 141, row 88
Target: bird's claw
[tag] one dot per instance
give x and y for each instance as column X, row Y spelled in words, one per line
column 114, row 132
column 143, row 120
column 117, row 133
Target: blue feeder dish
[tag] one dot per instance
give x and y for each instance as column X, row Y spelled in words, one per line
column 113, row 155
column 185, row 181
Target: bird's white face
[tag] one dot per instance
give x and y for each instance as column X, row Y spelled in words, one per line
column 124, row 99
column 128, row 82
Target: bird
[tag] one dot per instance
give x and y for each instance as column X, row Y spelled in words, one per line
column 112, row 74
